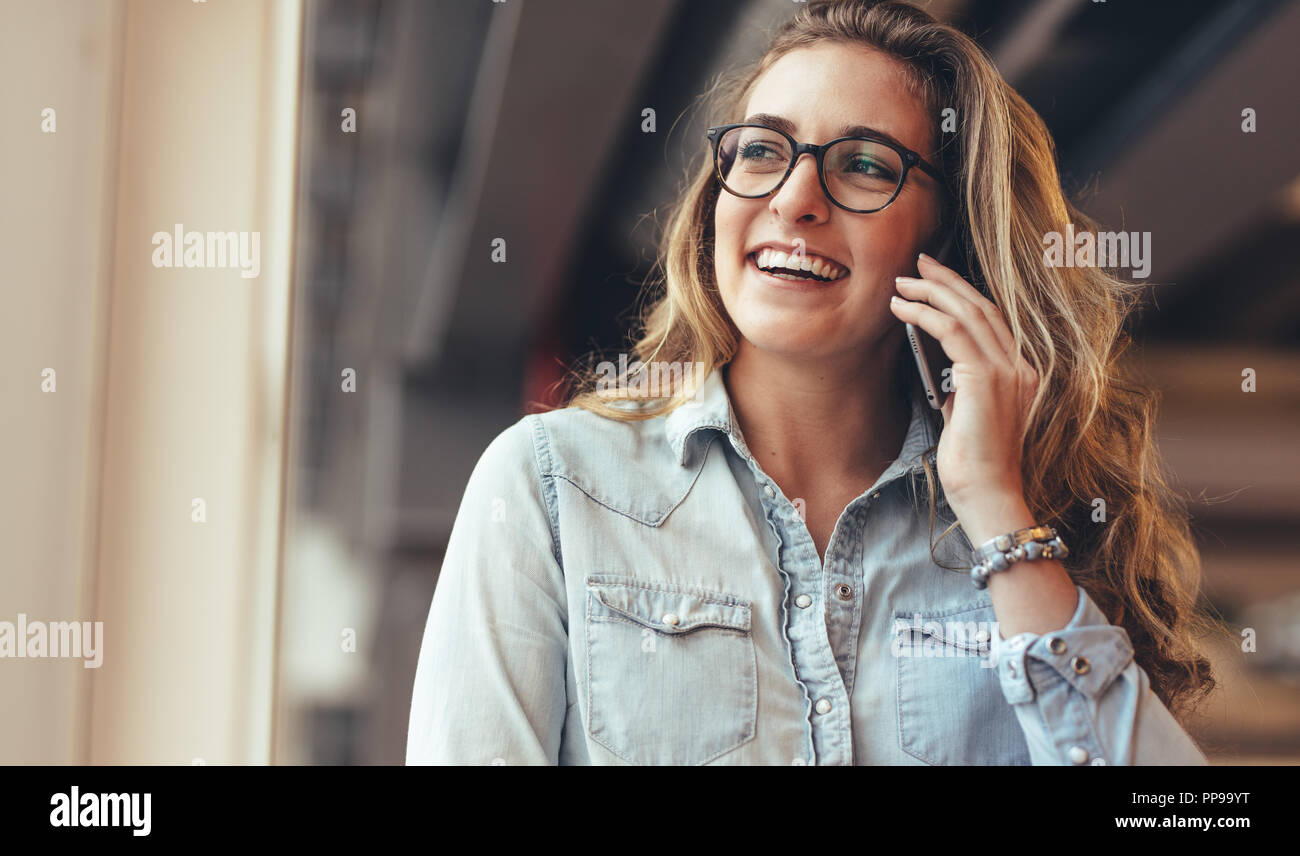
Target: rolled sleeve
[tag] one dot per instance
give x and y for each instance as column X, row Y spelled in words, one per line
column 1081, row 698
column 490, row 683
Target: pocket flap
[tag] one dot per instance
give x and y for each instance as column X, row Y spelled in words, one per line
column 669, row 609
column 972, row 636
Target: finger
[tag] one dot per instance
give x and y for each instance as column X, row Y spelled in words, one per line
column 932, row 269
column 950, row 333
column 946, row 300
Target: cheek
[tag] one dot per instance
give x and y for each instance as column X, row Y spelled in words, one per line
column 730, row 219
column 728, row 228
column 892, row 246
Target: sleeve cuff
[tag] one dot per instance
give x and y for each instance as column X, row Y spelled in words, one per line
column 1089, row 652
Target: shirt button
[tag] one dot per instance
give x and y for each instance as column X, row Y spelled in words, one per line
column 844, row 591
column 1081, row 665
column 823, row 705
column 803, row 601
column 767, row 489
column 1056, row 645
column 671, row 619
column 982, row 636
column 1078, row 755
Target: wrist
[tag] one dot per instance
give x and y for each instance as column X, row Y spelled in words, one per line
column 994, row 514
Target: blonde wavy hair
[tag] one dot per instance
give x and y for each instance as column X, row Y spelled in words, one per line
column 1090, row 424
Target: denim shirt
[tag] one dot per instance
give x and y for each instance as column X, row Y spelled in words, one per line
column 643, row 593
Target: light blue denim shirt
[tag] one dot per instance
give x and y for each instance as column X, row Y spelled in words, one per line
column 643, row 593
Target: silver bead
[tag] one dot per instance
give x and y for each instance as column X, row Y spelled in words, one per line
column 999, row 562
column 1034, row 549
column 1017, row 555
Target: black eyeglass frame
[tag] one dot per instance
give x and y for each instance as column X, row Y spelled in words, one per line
column 798, row 150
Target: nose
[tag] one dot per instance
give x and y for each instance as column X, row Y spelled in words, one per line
column 801, row 196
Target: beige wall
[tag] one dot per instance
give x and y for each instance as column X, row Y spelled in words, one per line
column 171, row 382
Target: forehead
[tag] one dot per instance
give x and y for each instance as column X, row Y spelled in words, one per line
column 824, row 88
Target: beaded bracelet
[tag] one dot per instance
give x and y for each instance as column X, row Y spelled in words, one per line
column 1000, row 553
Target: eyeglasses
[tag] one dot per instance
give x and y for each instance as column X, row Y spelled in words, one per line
column 859, row 174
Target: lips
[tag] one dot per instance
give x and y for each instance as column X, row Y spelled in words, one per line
column 801, row 267
column 806, row 282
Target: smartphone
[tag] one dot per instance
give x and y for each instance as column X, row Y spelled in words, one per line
column 931, row 361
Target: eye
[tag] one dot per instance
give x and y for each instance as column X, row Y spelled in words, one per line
column 755, row 151
column 869, row 167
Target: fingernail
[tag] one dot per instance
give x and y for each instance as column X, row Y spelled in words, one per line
column 895, row 299
column 905, row 279
column 924, row 256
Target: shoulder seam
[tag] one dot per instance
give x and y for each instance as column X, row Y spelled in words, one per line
column 545, row 481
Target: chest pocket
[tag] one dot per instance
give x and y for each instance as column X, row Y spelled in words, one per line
column 951, row 710
column 671, row 671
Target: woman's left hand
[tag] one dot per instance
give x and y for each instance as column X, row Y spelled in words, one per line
column 985, row 415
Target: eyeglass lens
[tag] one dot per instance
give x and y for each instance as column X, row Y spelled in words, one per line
column 859, row 174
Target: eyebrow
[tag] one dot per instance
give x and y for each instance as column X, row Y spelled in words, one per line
column 783, row 124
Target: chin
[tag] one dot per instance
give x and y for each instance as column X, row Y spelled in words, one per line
column 785, row 341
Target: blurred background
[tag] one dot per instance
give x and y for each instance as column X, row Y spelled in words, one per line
column 328, row 413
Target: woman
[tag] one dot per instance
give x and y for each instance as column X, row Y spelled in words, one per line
column 738, row 570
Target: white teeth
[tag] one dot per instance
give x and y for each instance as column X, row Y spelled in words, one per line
column 770, row 258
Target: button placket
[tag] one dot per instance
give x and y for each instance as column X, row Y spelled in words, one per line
column 816, row 666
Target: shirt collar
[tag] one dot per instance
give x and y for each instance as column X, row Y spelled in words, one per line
column 691, row 423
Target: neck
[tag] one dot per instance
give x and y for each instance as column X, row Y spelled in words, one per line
column 808, row 421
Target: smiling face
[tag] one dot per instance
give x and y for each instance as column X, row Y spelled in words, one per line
column 821, row 90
